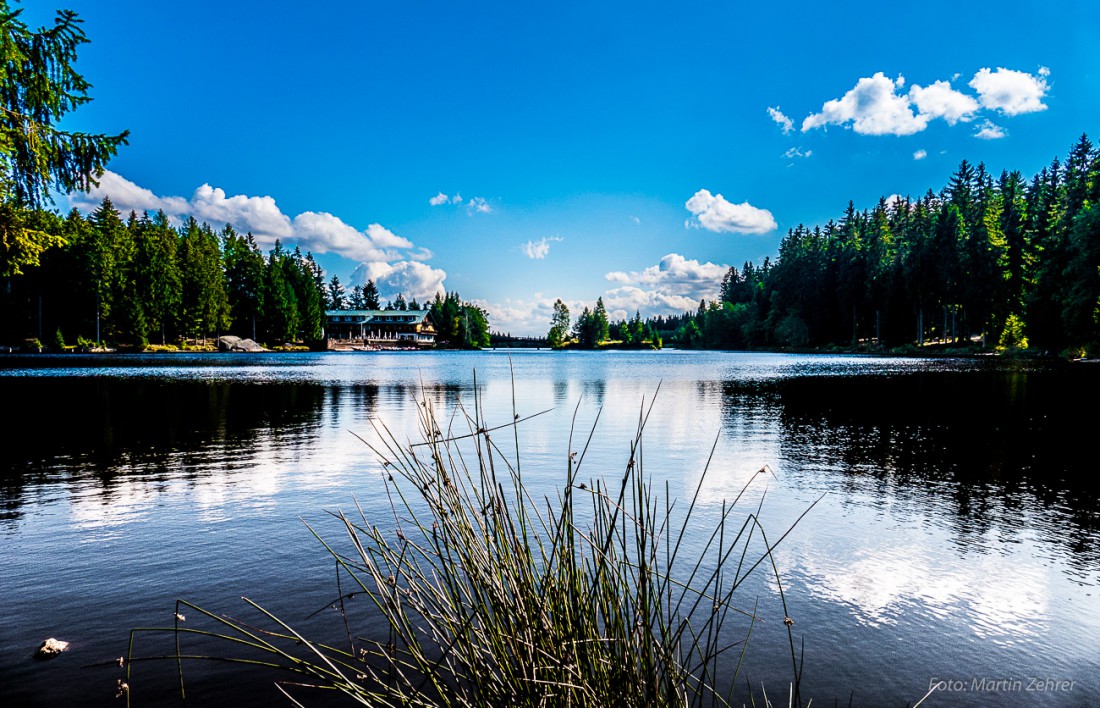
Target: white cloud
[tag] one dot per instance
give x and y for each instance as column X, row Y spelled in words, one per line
column 673, row 269
column 319, row 232
column 872, row 107
column 674, row 285
column 524, row 318
column 797, row 152
column 384, row 238
column 478, row 205
column 715, row 213
column 875, row 106
column 987, row 130
column 442, row 198
column 941, row 101
column 636, row 220
column 260, row 215
column 623, row 302
column 127, row 197
column 784, row 122
column 412, row 279
column 326, row 233
column 537, row 250
column 920, row 154
column 1011, row 92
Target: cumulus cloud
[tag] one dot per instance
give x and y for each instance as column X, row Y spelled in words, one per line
column 714, row 213
column 409, row 278
column 676, row 284
column 673, row 269
column 319, row 232
column 442, row 198
column 784, row 122
column 525, row 318
column 876, row 106
column 385, row 238
column 873, row 107
column 623, row 302
column 941, row 101
column 127, row 196
column 325, row 233
column 1011, row 92
column 987, row 130
column 920, row 154
column 478, row 205
column 797, row 152
column 537, row 250
column 260, row 215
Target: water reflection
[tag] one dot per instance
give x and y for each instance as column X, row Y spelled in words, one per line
column 957, row 524
column 989, row 453
column 123, row 439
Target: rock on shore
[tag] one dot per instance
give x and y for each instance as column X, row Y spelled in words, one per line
column 229, row 343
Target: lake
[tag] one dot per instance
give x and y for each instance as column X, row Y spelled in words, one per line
column 955, row 540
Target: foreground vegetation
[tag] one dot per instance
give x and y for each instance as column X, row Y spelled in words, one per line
column 491, row 597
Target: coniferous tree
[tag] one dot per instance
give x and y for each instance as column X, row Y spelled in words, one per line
column 602, row 326
column 38, row 87
column 244, row 277
column 204, row 296
column 280, row 302
column 370, row 297
column 356, row 300
column 559, row 325
column 337, row 297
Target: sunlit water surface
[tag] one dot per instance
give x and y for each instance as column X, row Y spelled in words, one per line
column 955, row 538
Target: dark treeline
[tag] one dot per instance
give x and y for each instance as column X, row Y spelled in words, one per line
column 505, row 340
column 458, row 323
column 1003, row 260
column 141, row 280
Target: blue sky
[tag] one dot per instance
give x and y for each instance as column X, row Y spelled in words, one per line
column 522, row 152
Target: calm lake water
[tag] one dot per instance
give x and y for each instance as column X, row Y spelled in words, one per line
column 957, row 538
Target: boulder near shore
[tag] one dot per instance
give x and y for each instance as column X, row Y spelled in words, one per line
column 229, row 343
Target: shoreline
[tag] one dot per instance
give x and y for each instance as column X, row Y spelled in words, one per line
column 933, row 352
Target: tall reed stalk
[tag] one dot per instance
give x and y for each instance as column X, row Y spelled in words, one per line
column 491, row 597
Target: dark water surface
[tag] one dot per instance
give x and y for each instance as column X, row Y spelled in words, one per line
column 958, row 538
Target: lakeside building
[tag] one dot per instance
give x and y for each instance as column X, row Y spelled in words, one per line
column 381, row 327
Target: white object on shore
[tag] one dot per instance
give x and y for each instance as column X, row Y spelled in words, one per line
column 50, row 648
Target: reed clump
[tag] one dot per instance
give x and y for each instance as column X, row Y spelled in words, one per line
column 490, row 597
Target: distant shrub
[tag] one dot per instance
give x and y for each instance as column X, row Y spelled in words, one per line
column 1012, row 336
